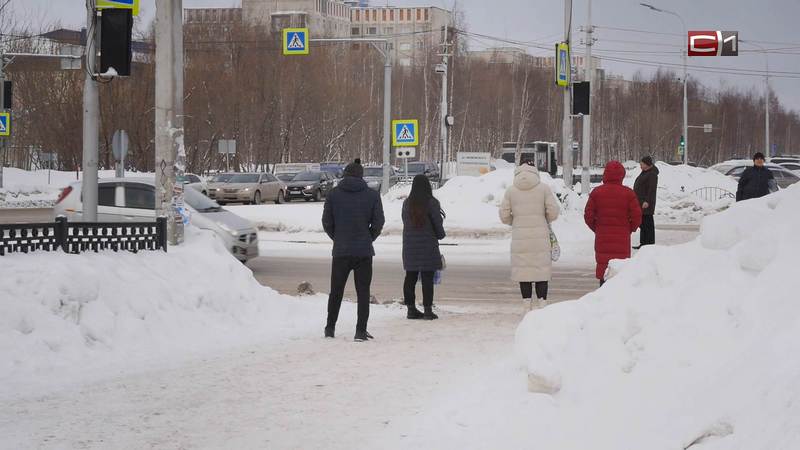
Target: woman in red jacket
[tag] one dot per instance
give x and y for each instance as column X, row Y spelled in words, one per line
column 613, row 213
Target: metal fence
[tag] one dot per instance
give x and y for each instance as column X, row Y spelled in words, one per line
column 712, row 194
column 80, row 237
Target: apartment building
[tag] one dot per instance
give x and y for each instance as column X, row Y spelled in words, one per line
column 413, row 32
column 324, row 18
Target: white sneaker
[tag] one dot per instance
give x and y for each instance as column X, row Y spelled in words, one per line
column 540, row 303
column 527, row 305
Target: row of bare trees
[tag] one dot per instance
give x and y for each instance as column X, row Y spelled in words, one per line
column 328, row 106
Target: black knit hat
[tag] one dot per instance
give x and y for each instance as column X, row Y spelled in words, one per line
column 354, row 169
column 758, row 155
column 648, row 160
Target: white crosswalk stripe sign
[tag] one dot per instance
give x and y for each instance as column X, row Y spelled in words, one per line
column 295, row 43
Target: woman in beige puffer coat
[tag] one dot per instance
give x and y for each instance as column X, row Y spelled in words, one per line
column 529, row 206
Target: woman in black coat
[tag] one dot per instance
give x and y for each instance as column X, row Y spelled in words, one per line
column 422, row 230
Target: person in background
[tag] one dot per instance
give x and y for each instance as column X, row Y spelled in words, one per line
column 529, row 206
column 423, row 228
column 353, row 218
column 756, row 181
column 612, row 213
column 646, row 187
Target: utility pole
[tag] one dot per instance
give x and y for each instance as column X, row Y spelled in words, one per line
column 444, row 130
column 91, row 118
column 2, row 103
column 387, row 116
column 587, row 118
column 170, row 152
column 566, row 125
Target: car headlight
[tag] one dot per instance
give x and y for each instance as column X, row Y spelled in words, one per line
column 309, row 187
column 229, row 230
column 246, row 189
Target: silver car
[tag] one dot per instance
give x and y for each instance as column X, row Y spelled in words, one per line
column 133, row 200
column 374, row 177
column 252, row 188
column 217, row 182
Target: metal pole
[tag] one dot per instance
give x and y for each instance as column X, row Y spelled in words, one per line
column 685, row 102
column 2, row 140
column 566, row 145
column 766, row 107
column 444, row 130
column 91, row 116
column 387, row 119
column 168, row 115
column 587, row 119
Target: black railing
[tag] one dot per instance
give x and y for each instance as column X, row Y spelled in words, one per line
column 80, row 237
column 712, row 194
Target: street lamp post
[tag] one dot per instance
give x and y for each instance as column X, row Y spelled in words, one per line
column 685, row 79
column 766, row 96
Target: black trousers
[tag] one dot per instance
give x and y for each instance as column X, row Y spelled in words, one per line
column 526, row 287
column 647, row 231
column 410, row 286
column 362, row 274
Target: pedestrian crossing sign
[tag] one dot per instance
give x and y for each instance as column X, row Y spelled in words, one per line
column 5, row 124
column 405, row 133
column 133, row 5
column 295, row 41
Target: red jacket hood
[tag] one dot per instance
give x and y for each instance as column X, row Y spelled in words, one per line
column 614, row 173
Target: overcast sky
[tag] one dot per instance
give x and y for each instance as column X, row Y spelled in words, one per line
column 774, row 23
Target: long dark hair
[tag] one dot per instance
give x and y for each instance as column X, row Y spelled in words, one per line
column 419, row 200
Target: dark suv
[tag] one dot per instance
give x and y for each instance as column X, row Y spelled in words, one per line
column 429, row 169
column 309, row 186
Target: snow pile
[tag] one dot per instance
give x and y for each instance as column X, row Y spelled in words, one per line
column 679, row 200
column 79, row 316
column 686, row 345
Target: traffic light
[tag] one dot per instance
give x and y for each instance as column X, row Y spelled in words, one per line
column 116, row 26
column 7, row 100
column 580, row 99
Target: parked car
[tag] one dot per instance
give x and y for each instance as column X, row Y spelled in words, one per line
column 216, row 182
column 309, row 186
column 334, row 168
column 429, row 169
column 253, row 188
column 784, row 159
column 193, row 181
column 793, row 167
column 783, row 177
column 133, row 200
column 680, row 163
column 374, row 177
column 286, row 177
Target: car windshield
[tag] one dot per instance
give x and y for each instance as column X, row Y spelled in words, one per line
column 416, row 167
column 245, row 178
column 722, row 168
column 307, row 176
column 200, row 202
column 286, row 176
column 374, row 172
column 182, row 179
column 222, row 178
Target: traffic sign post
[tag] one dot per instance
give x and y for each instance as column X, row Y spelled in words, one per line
column 227, row 147
column 119, row 147
column 405, row 153
column 295, row 41
column 5, row 124
column 405, row 133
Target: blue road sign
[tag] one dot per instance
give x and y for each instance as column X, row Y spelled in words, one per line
column 295, row 41
column 405, row 133
column 5, row 124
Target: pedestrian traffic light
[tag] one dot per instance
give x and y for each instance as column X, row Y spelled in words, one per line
column 116, row 26
column 580, row 99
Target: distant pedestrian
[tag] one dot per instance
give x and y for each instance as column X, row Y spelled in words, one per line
column 353, row 219
column 529, row 206
column 423, row 228
column 646, row 187
column 613, row 213
column 756, row 181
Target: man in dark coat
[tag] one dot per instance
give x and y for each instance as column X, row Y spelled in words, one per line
column 756, row 181
column 353, row 219
column 646, row 187
column 613, row 213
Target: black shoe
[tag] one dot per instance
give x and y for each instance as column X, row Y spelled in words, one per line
column 369, row 336
column 637, row 247
column 413, row 313
column 329, row 332
column 429, row 314
column 361, row 336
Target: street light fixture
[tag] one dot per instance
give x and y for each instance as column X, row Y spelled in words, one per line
column 685, row 79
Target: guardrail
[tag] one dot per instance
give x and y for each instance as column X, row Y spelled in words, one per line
column 80, row 237
column 712, row 194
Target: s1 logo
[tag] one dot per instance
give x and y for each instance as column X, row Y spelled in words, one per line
column 713, row 43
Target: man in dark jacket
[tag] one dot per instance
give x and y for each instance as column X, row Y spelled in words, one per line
column 756, row 181
column 646, row 188
column 353, row 219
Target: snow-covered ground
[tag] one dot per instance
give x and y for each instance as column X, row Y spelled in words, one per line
column 690, row 346
column 59, row 323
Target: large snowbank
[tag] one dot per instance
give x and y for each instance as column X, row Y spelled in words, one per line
column 76, row 317
column 685, row 345
column 38, row 189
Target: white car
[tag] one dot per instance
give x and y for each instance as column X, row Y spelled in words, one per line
column 793, row 167
column 133, row 200
column 193, row 181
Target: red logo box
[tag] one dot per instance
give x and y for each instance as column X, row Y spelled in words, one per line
column 713, row 43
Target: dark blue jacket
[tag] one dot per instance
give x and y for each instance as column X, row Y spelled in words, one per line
column 421, row 244
column 353, row 218
column 754, row 183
